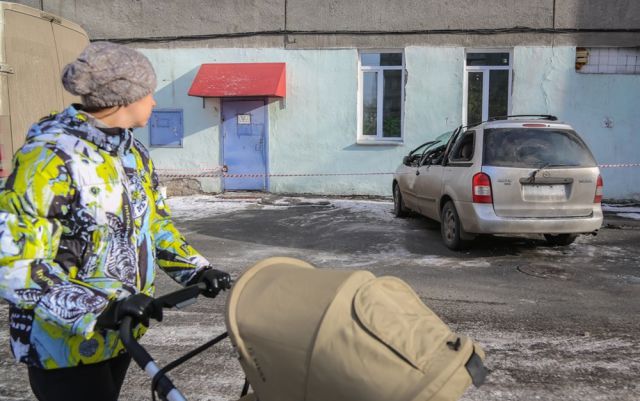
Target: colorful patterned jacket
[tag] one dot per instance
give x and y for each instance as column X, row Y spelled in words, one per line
column 82, row 223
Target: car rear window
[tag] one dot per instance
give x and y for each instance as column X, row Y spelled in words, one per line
column 535, row 147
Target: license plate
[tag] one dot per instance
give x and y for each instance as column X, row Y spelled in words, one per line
column 545, row 193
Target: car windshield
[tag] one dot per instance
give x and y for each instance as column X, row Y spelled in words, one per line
column 535, row 148
column 439, row 141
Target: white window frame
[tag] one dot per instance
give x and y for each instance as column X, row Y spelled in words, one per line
column 485, row 81
column 379, row 139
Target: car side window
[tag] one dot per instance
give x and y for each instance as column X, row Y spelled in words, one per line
column 463, row 149
column 414, row 160
column 433, row 156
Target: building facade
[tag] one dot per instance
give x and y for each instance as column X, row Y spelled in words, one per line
column 358, row 84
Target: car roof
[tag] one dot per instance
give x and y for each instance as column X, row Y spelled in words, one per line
column 524, row 123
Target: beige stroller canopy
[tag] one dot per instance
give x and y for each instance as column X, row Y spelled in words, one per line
column 338, row 335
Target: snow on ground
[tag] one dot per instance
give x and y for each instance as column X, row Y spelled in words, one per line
column 195, row 207
column 380, row 209
column 620, row 208
column 199, row 206
column 532, row 365
column 393, row 253
column 626, row 212
column 527, row 363
column 634, row 216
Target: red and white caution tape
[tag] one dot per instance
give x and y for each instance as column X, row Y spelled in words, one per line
column 260, row 175
column 221, row 171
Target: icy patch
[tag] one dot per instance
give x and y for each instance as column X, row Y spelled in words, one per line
column 201, row 206
column 443, row 261
column 381, row 210
column 187, row 336
column 634, row 216
column 582, row 248
column 535, row 351
column 432, row 261
column 475, row 263
column 295, row 201
column 626, row 212
column 620, row 209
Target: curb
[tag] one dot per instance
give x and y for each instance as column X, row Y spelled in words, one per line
column 612, row 221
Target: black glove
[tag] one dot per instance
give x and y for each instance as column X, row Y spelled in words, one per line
column 139, row 306
column 215, row 281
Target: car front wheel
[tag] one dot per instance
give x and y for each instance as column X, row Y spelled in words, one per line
column 451, row 229
column 399, row 209
column 560, row 239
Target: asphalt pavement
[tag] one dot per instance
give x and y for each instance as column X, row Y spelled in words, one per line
column 557, row 323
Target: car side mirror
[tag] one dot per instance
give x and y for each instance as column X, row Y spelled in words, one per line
column 406, row 160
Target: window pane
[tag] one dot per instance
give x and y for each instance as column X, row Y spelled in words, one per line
column 392, row 104
column 474, row 98
column 370, row 103
column 487, row 59
column 498, row 93
column 381, row 59
column 524, row 147
column 463, row 148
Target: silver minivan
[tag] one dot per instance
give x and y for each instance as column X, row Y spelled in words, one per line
column 518, row 175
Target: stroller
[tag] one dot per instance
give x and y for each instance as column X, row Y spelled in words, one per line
column 329, row 335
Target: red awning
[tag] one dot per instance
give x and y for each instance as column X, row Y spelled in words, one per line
column 240, row 79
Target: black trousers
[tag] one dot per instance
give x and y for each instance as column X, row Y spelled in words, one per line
column 96, row 382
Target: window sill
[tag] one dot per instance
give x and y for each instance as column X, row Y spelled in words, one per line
column 380, row 142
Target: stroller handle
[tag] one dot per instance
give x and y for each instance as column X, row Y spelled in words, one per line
column 178, row 299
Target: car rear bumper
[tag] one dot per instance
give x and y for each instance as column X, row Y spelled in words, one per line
column 482, row 219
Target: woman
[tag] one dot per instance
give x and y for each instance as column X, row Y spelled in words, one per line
column 82, row 226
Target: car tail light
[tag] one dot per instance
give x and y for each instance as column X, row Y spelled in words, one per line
column 482, row 189
column 599, row 185
column 534, row 125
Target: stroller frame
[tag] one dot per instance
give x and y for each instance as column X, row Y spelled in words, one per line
column 160, row 382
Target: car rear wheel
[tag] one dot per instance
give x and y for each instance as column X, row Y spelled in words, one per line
column 399, row 209
column 560, row 239
column 451, row 229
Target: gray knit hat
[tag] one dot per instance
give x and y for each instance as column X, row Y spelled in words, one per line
column 107, row 74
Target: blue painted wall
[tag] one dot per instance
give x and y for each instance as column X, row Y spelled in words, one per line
column 313, row 130
column 546, row 82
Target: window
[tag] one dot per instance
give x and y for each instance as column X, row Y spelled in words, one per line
column 487, row 85
column 608, row 60
column 434, row 150
column 165, row 128
column 527, row 148
column 381, row 96
column 463, row 148
column 434, row 155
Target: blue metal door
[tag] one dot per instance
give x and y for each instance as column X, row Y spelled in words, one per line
column 244, row 144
